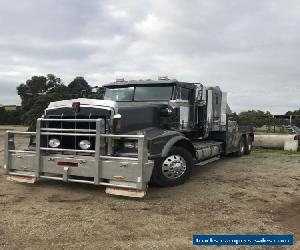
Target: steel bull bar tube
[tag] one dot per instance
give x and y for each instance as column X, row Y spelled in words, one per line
column 121, row 175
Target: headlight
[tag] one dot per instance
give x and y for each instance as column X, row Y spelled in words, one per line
column 84, row 144
column 130, row 144
column 54, row 143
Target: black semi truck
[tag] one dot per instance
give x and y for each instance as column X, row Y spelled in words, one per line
column 144, row 131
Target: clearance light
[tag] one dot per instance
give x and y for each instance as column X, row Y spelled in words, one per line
column 118, row 177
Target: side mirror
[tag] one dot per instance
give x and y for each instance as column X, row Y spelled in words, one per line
column 199, row 95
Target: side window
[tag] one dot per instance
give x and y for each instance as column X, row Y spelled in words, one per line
column 185, row 94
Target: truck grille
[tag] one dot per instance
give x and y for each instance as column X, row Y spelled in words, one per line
column 78, row 128
column 72, row 125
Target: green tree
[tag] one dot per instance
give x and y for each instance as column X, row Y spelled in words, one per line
column 35, row 87
column 252, row 117
column 36, row 94
column 39, row 91
column 12, row 117
column 79, row 87
column 296, row 120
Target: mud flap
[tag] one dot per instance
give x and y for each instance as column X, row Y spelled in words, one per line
column 125, row 192
column 22, row 179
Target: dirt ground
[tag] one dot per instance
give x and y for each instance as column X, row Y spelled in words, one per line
column 256, row 194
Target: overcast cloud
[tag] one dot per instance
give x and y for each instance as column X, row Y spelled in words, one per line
column 251, row 49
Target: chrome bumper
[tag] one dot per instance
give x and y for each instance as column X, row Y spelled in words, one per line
column 97, row 169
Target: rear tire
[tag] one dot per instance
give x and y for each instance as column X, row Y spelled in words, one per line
column 241, row 150
column 248, row 147
column 173, row 169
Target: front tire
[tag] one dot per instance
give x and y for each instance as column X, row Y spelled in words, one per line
column 174, row 169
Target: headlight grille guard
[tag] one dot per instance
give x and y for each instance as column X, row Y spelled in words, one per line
column 141, row 159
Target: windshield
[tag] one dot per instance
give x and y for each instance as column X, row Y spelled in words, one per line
column 139, row 93
column 120, row 94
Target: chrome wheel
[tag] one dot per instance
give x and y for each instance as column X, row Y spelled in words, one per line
column 174, row 169
column 173, row 166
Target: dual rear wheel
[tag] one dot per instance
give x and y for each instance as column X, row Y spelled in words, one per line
column 245, row 146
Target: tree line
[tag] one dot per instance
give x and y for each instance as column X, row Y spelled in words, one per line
column 38, row 91
column 259, row 118
column 10, row 117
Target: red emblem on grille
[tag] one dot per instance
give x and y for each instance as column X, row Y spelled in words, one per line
column 76, row 106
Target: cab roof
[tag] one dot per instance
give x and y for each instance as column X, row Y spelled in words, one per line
column 122, row 82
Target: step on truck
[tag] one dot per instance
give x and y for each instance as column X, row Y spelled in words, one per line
column 145, row 131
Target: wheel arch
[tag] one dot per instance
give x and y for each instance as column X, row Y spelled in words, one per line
column 179, row 141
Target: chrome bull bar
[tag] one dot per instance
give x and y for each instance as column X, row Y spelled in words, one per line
column 96, row 168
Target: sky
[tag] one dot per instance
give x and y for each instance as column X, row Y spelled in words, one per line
column 251, row 49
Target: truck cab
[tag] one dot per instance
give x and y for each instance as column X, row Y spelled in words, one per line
column 188, row 119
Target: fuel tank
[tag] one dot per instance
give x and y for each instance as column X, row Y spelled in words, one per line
column 273, row 140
